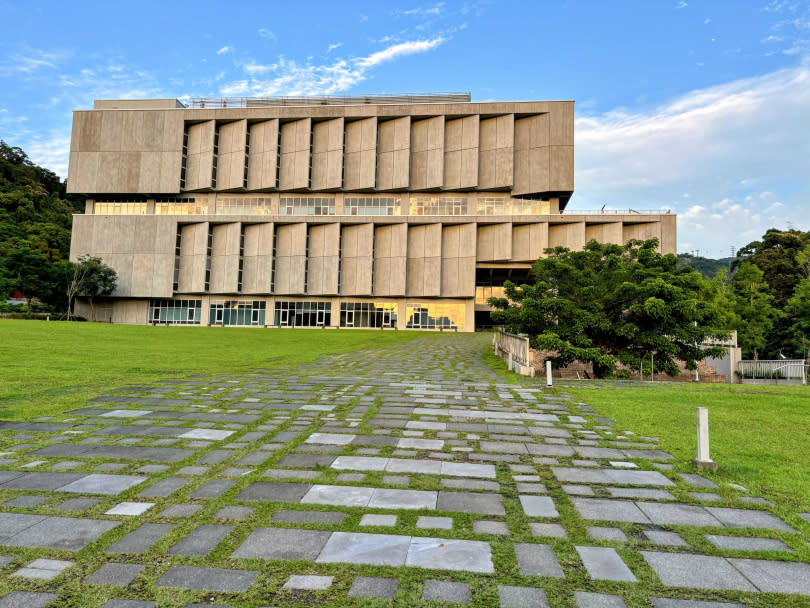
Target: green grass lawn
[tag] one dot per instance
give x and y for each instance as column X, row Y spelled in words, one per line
column 760, row 435
column 50, row 367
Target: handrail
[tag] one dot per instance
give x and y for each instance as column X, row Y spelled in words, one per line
column 327, row 100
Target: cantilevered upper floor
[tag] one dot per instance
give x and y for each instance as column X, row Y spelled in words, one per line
column 401, row 144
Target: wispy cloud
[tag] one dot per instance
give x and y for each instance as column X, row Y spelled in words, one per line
column 31, row 61
column 223, row 50
column 332, row 47
column 287, row 77
column 265, row 33
column 728, row 142
column 421, row 11
column 682, row 4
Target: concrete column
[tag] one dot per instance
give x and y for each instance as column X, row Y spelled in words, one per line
column 548, row 374
column 703, row 461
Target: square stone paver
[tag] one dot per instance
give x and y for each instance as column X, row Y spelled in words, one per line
column 27, row 599
column 660, row 602
column 130, row 508
column 71, row 534
column 309, row 517
column 374, row 519
column 282, row 543
column 446, row 591
column 604, row 533
column 443, row 523
column 141, row 539
column 748, row 518
column 44, row 569
column 207, row 434
column 549, row 530
column 99, row 483
column 115, row 574
column 601, row 509
column 384, row 498
column 446, row 554
column 234, row 512
column 25, row 501
column 521, row 597
column 586, row 599
column 778, row 577
column 677, row 514
column 209, row 579
column 374, row 587
column 343, row 496
column 181, row 510
column 361, row 548
column 744, row 543
column 309, row 582
column 497, row 528
column 668, row 539
column 469, row 502
column 696, row 571
column 77, row 504
column 537, row 560
column 201, row 540
column 538, row 506
column 603, row 563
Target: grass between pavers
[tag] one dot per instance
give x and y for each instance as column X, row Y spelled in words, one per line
column 266, row 590
column 47, row 368
column 758, row 434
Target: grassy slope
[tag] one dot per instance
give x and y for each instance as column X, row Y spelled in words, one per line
column 759, row 434
column 47, row 368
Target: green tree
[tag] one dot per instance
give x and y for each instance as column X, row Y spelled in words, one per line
column 29, row 272
column 91, row 279
column 612, row 303
column 798, row 308
column 776, row 256
column 754, row 308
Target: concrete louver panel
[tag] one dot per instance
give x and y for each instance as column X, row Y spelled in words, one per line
column 610, row 232
column 393, row 153
column 257, row 258
column 263, row 158
column 424, row 276
column 296, row 139
column 200, row 157
column 361, row 154
column 529, row 241
column 323, row 262
column 641, row 231
column 458, row 261
column 427, row 153
column 496, row 156
column 390, row 259
column 461, row 139
column 494, row 242
column 225, row 258
column 291, row 259
column 327, row 155
column 231, row 156
column 357, row 261
column 570, row 235
column 532, row 167
column 193, row 257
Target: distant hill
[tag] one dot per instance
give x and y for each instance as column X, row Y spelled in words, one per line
column 705, row 266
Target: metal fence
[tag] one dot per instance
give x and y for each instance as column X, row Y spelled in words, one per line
column 326, row 100
column 762, row 369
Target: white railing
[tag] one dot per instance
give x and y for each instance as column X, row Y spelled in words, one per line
column 511, row 344
column 326, row 100
column 617, row 212
column 785, row 369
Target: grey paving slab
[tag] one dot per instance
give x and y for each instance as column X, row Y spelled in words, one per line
column 427, row 522
column 696, row 571
column 471, row 484
column 609, row 510
column 209, row 579
column 497, row 528
column 76, row 504
column 697, row 480
column 384, row 498
column 344, row 496
column 521, row 597
column 537, row 560
column 282, row 543
column 180, row 510
column 115, row 574
column 744, row 543
column 141, row 539
column 130, row 508
column 234, row 512
column 128, row 604
column 39, row 481
column 677, row 514
column 603, row 563
column 548, row 530
column 70, row 534
column 165, row 487
column 778, row 577
column 309, row 517
column 660, row 602
column 585, row 599
column 213, row 489
column 446, row 591
column 26, row 501
column 374, row 587
column 646, row 493
column 28, row 599
column 606, row 533
column 749, row 518
column 447, row 554
column 538, row 506
column 668, row 539
column 276, row 491
column 376, row 519
column 469, row 502
column 361, row 548
column 309, row 582
column 100, row 483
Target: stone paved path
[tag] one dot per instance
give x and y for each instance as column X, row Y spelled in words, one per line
column 411, row 475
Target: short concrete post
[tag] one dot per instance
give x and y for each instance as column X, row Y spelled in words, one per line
column 703, row 461
column 509, row 361
column 548, row 374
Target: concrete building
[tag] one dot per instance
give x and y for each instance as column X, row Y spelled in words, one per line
column 404, row 212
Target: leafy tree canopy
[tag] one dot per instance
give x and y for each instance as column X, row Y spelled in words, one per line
column 612, row 303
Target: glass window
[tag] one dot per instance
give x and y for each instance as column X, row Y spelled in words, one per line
column 306, row 205
column 180, row 206
column 370, row 205
column 174, row 312
column 442, row 205
column 435, row 316
column 244, row 206
column 303, row 314
column 484, row 292
column 512, row 206
column 368, row 314
column 237, row 312
column 119, row 208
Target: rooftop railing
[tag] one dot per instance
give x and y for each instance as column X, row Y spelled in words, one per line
column 617, row 212
column 326, row 100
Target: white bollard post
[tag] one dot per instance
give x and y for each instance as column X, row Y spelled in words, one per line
column 703, row 461
column 548, row 374
column 509, row 361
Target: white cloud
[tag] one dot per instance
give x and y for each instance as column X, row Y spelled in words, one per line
column 332, row 47
column 31, row 61
column 737, row 148
column 422, row 11
column 265, row 33
column 681, row 4
column 287, row 77
column 223, row 50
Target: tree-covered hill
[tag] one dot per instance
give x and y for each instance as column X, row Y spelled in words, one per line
column 35, row 221
column 708, row 267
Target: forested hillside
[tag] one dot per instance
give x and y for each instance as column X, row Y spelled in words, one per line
column 35, row 220
column 708, row 267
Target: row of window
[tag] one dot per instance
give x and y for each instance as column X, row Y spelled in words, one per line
column 306, row 314
column 325, row 205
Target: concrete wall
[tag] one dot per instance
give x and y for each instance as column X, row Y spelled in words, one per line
column 523, row 147
column 356, row 265
column 291, row 258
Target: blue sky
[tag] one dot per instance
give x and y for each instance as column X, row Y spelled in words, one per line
column 702, row 107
